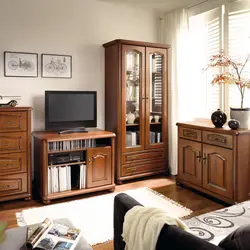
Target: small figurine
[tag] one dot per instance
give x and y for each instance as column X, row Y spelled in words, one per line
column 9, row 101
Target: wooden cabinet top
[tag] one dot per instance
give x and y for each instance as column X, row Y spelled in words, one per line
column 206, row 124
column 14, row 109
column 138, row 43
column 53, row 136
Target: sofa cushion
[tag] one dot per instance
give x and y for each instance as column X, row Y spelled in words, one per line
column 238, row 239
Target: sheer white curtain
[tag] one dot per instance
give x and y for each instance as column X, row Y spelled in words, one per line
column 181, row 98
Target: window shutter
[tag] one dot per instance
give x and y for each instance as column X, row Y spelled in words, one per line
column 213, row 47
column 205, row 39
column 239, row 46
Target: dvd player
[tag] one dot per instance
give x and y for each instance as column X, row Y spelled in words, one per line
column 60, row 158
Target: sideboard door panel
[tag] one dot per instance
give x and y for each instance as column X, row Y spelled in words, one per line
column 190, row 162
column 218, row 170
column 98, row 166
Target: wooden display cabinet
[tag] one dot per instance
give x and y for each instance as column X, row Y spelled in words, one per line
column 214, row 160
column 98, row 158
column 136, row 106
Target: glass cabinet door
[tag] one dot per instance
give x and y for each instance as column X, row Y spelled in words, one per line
column 133, row 78
column 156, row 98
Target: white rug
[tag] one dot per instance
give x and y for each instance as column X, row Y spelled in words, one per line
column 94, row 216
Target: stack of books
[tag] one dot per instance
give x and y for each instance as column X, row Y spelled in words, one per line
column 130, row 139
column 155, row 137
column 65, row 177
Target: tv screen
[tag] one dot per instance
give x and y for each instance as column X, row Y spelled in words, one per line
column 70, row 109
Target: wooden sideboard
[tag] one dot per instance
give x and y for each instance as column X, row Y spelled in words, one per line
column 15, row 153
column 215, row 161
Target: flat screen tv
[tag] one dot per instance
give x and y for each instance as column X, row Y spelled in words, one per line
column 70, row 109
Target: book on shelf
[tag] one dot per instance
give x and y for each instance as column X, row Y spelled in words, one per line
column 155, row 137
column 53, row 236
column 71, row 145
column 130, row 138
column 63, row 178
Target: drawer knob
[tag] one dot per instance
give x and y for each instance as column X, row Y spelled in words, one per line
column 7, row 145
column 6, row 166
column 7, row 186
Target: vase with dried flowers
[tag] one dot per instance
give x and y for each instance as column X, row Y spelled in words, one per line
column 232, row 73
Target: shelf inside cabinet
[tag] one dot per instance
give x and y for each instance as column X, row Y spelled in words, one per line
column 155, row 123
column 68, row 164
column 68, row 150
column 132, row 124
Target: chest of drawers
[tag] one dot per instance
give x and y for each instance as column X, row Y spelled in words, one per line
column 15, row 153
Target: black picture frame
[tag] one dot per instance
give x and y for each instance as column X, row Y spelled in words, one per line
column 56, row 66
column 20, row 64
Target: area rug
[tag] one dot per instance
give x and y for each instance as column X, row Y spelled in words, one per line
column 94, row 216
column 216, row 225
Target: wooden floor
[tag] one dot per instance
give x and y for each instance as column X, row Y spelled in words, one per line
column 166, row 186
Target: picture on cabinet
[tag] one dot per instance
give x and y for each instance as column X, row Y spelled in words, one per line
column 56, row 66
column 20, row 64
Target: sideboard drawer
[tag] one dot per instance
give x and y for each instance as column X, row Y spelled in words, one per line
column 13, row 121
column 189, row 133
column 218, row 139
column 12, row 142
column 152, row 154
column 13, row 163
column 13, row 184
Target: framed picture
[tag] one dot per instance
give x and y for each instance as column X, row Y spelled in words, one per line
column 20, row 64
column 56, row 66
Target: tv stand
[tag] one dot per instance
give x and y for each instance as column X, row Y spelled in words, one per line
column 97, row 151
column 73, row 130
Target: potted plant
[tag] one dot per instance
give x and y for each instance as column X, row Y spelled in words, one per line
column 232, row 74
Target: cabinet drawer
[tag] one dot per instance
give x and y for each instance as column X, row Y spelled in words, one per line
column 13, row 163
column 152, row 154
column 13, row 121
column 12, row 142
column 218, row 139
column 13, row 184
column 189, row 133
column 144, row 167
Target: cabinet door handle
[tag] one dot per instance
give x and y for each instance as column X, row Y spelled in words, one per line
column 89, row 159
column 199, row 156
column 205, row 159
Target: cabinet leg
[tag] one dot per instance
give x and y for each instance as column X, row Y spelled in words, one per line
column 119, row 182
column 46, row 202
column 112, row 189
column 27, row 198
column 178, row 184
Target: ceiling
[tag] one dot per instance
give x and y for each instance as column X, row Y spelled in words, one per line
column 159, row 5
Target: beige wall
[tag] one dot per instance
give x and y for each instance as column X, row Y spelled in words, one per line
column 74, row 27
